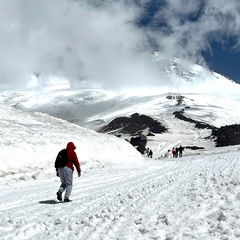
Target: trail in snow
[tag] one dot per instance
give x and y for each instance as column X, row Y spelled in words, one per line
column 195, row 197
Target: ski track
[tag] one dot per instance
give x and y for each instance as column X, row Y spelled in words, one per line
column 130, row 202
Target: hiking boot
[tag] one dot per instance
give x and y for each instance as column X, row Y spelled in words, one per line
column 67, row 200
column 59, row 196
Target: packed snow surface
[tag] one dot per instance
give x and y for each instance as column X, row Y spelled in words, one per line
column 193, row 197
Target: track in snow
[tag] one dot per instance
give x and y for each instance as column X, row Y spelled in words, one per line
column 190, row 198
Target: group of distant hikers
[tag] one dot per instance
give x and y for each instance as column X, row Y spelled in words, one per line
column 176, row 152
column 149, row 152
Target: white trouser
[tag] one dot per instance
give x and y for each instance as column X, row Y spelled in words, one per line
column 66, row 177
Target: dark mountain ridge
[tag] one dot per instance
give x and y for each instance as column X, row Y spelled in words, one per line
column 138, row 124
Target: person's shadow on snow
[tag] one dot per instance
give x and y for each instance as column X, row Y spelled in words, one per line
column 49, row 202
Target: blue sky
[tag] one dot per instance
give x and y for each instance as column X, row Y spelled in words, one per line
column 224, row 60
column 108, row 41
column 220, row 50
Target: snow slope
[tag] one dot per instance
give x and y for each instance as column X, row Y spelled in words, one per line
column 195, row 197
column 32, row 141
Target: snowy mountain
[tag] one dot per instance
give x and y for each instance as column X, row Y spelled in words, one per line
column 199, row 94
column 121, row 194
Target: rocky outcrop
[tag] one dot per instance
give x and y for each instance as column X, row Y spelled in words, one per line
column 178, row 98
column 227, row 135
column 198, row 124
column 224, row 136
column 140, row 142
column 133, row 125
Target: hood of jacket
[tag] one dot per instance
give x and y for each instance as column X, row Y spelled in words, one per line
column 71, row 146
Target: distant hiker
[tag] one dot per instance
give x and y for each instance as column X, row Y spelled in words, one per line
column 180, row 149
column 174, row 152
column 66, row 172
column 168, row 154
column 147, row 152
column 150, row 153
column 177, row 151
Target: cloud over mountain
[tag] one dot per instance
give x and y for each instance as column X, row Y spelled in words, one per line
column 102, row 41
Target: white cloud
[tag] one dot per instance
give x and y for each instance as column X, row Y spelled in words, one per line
column 193, row 25
column 66, row 38
column 99, row 40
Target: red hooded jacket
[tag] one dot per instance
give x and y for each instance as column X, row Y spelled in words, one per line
column 72, row 157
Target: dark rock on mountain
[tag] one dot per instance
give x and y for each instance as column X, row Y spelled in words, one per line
column 198, row 124
column 178, row 98
column 194, row 147
column 141, row 149
column 140, row 142
column 224, row 136
column 136, row 124
column 133, row 125
column 227, row 135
